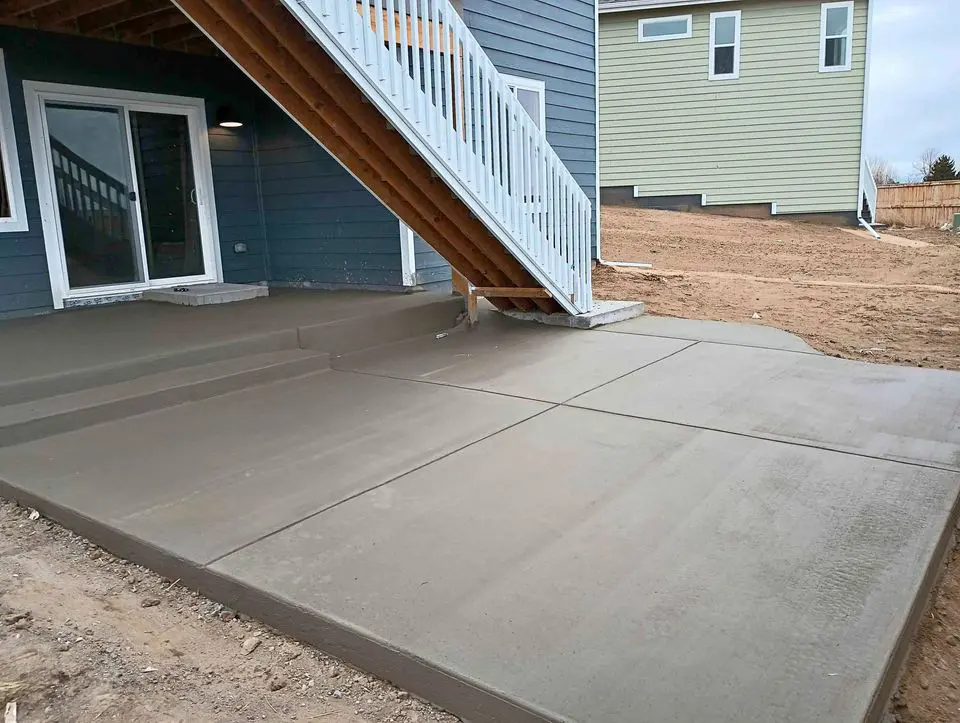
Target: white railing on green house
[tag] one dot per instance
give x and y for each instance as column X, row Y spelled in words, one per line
column 423, row 68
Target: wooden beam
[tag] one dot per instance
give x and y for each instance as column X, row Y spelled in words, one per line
column 12, row 8
column 469, row 235
column 176, row 34
column 67, row 11
column 125, row 11
column 493, row 292
column 162, row 20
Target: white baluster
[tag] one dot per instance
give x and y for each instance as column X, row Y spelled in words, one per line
column 365, row 39
column 441, row 79
column 393, row 66
column 429, row 66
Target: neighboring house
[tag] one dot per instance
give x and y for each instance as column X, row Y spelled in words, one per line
column 737, row 106
column 316, row 144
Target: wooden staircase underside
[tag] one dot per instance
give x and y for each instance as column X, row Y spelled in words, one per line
column 271, row 46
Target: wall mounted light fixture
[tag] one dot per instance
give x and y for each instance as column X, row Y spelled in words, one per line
column 227, row 118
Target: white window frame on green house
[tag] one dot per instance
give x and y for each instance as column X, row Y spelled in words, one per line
column 847, row 36
column 714, row 17
column 688, row 19
column 16, row 221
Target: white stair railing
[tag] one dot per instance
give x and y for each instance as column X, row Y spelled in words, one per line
column 420, row 64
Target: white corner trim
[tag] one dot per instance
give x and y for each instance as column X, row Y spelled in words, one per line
column 596, row 130
column 671, row 18
column 711, row 75
column 408, row 255
column 866, row 98
column 848, row 60
column 703, row 199
column 773, row 208
column 10, row 160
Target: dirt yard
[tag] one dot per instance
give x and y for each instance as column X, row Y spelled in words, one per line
column 845, row 293
column 85, row 636
column 895, row 301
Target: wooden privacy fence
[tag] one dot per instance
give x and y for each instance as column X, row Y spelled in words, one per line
column 918, row 204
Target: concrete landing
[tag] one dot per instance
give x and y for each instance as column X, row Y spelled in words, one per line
column 603, row 312
column 719, row 332
column 206, row 294
column 538, row 524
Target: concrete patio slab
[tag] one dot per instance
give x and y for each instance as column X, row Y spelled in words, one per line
column 721, row 332
column 201, row 479
column 885, row 411
column 589, row 567
column 511, row 357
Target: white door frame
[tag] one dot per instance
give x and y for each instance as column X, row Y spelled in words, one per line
column 35, row 95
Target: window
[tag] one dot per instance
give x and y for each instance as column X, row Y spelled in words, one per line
column 725, row 45
column 678, row 26
column 836, row 36
column 532, row 96
column 13, row 214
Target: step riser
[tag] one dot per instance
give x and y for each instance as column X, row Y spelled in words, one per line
column 80, row 379
column 112, row 410
column 345, row 336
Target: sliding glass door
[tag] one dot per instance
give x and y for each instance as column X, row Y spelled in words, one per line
column 126, row 209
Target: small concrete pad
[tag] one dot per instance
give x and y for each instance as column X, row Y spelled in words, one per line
column 589, row 567
column 510, row 357
column 721, row 332
column 201, row 479
column 206, row 294
column 603, row 312
column 893, row 412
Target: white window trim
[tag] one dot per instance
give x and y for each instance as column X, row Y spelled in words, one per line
column 735, row 14
column 537, row 86
column 11, row 160
column 677, row 36
column 848, row 64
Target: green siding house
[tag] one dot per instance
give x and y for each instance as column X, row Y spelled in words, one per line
column 742, row 106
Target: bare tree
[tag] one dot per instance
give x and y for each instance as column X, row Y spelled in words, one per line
column 883, row 171
column 924, row 164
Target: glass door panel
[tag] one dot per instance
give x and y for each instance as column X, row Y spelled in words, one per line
column 168, row 195
column 92, row 181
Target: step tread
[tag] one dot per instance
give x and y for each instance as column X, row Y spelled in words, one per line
column 151, row 383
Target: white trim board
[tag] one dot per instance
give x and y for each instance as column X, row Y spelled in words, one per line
column 10, row 157
column 624, row 7
column 35, row 94
column 408, row 255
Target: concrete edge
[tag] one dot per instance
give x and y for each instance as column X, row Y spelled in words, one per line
column 29, row 389
column 604, row 312
column 129, row 405
column 922, row 600
column 464, row 698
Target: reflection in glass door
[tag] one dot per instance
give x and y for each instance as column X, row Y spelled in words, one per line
column 168, row 194
column 94, row 189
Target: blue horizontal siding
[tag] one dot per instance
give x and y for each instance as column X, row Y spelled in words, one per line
column 323, row 227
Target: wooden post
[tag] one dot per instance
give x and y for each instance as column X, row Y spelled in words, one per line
column 462, row 286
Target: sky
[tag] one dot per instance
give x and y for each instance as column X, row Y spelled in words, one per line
column 913, row 100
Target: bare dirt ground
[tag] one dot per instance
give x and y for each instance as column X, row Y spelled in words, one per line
column 85, row 636
column 846, row 294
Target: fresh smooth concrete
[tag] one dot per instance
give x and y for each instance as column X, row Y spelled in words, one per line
column 603, row 312
column 599, row 568
column 202, row 479
column 507, row 356
column 721, row 332
column 901, row 413
column 206, row 294
column 529, row 523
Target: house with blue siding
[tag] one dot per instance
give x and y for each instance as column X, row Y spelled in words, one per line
column 324, row 144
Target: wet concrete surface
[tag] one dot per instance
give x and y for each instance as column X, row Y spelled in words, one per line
column 729, row 533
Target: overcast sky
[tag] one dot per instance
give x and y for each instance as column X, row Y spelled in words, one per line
column 914, row 94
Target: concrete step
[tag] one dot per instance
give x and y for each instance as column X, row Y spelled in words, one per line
column 75, row 380
column 44, row 417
